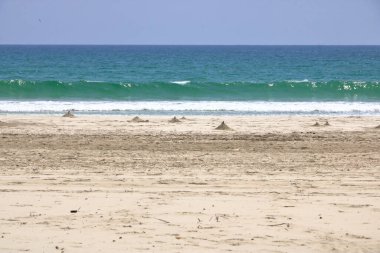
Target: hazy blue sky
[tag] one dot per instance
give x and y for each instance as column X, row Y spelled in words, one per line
column 256, row 22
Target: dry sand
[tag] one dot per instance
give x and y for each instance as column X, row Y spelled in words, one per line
column 273, row 184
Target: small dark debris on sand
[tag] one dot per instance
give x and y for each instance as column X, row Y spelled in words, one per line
column 183, row 117
column 327, row 123
column 75, row 210
column 174, row 120
column 69, row 114
column 316, row 124
column 223, row 126
column 378, row 127
column 138, row 120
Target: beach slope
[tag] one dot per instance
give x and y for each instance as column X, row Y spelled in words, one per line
column 268, row 184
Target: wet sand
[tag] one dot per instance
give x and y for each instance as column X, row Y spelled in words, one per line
column 108, row 184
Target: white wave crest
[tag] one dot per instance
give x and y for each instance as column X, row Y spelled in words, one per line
column 181, row 82
column 93, row 81
column 299, row 81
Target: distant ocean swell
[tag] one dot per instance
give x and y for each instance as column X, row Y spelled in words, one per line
column 290, row 90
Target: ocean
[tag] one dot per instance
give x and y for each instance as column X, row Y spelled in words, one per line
column 177, row 80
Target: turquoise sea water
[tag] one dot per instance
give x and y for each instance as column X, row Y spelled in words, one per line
column 192, row 79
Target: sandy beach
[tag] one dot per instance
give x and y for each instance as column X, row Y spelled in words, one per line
column 272, row 184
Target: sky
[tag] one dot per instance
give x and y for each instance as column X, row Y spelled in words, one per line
column 191, row 22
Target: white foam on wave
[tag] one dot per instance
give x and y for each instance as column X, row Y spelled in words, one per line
column 181, row 82
column 299, row 81
column 17, row 81
column 207, row 107
column 93, row 81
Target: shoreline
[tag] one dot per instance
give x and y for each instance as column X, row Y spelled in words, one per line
column 274, row 183
column 195, row 108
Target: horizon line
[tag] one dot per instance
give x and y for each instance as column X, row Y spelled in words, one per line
column 261, row 45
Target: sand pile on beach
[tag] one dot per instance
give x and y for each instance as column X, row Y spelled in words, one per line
column 137, row 119
column 68, row 114
column 174, row 120
column 223, row 126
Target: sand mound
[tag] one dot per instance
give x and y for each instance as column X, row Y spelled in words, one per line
column 174, row 120
column 223, row 126
column 378, row 127
column 184, row 118
column 316, row 124
column 138, row 120
column 327, row 123
column 68, row 114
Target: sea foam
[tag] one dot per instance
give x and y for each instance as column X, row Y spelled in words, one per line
column 181, row 82
column 192, row 107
